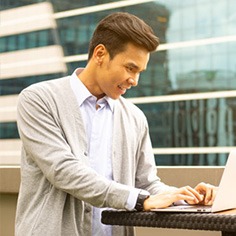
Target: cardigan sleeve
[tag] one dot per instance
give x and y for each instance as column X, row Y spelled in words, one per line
column 133, row 154
column 46, row 149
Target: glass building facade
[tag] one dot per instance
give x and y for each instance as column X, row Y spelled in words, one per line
column 188, row 92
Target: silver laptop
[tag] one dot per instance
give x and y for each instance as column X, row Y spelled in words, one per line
column 226, row 195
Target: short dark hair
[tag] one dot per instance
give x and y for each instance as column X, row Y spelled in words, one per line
column 118, row 29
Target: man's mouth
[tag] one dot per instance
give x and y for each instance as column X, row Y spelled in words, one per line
column 122, row 88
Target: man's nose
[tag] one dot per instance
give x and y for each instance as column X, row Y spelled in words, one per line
column 134, row 80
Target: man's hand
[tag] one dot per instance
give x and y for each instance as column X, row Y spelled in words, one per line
column 208, row 191
column 166, row 198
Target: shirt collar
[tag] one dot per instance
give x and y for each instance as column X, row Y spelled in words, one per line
column 82, row 93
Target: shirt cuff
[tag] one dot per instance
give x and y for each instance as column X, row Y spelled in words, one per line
column 132, row 199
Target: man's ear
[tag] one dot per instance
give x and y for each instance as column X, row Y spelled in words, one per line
column 99, row 53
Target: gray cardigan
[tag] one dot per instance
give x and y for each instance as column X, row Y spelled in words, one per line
column 58, row 188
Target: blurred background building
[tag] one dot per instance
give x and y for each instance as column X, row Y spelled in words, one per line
column 188, row 92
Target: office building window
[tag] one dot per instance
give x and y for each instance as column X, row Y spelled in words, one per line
column 188, row 91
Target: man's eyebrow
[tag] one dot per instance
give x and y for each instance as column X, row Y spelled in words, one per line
column 131, row 64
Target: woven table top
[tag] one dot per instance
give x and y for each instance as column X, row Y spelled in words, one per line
column 196, row 221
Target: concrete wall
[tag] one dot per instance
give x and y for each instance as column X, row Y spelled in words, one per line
column 177, row 176
column 9, row 187
column 7, row 214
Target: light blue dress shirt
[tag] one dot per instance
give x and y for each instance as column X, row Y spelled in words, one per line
column 99, row 125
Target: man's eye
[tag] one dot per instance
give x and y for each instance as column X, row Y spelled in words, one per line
column 129, row 68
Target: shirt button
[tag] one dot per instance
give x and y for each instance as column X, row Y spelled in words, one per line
column 87, row 209
column 86, row 153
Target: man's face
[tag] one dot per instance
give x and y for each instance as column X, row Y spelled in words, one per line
column 122, row 72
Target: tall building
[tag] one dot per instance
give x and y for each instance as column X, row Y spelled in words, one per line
column 188, row 91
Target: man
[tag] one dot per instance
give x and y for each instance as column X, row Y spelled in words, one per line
column 86, row 148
